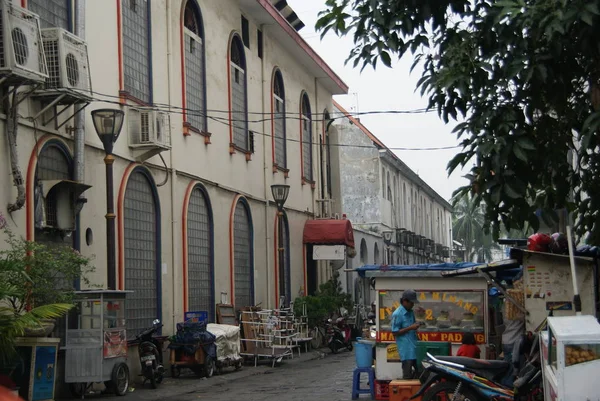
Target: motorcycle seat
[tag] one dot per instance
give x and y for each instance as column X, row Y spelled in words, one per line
column 490, row 369
column 478, row 364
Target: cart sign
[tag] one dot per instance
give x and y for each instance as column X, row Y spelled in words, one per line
column 329, row 252
column 115, row 343
column 197, row 316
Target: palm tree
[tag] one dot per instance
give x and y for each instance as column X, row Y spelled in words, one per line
column 467, row 226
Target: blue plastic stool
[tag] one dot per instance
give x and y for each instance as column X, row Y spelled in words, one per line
column 356, row 390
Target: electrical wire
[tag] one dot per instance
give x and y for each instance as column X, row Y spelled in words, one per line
column 171, row 109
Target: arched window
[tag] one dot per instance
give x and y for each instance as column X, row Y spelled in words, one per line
column 239, row 102
column 364, row 253
column 389, row 187
column 243, row 254
column 376, row 257
column 327, row 155
column 200, row 268
column 195, row 71
column 284, row 271
column 279, row 123
column 306, row 138
column 54, row 163
column 53, row 13
column 141, row 228
column 137, row 63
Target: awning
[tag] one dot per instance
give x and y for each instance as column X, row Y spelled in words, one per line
column 329, row 232
column 76, row 187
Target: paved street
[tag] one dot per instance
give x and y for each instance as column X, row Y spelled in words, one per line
column 313, row 377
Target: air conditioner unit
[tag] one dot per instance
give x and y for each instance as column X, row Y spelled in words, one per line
column 21, row 52
column 67, row 61
column 446, row 252
column 149, row 128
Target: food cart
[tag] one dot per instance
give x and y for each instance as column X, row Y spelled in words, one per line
column 570, row 358
column 448, row 307
column 547, row 284
column 96, row 342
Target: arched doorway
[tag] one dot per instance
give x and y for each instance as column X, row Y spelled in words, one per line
column 200, row 260
column 243, row 254
column 142, row 244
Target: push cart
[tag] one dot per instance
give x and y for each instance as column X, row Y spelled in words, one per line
column 96, row 342
column 227, row 340
column 193, row 347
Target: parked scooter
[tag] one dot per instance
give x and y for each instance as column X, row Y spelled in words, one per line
column 150, row 352
column 339, row 335
column 475, row 379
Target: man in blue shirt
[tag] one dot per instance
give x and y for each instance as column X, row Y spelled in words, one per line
column 404, row 328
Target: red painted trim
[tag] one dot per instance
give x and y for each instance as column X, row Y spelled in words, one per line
column 276, row 259
column 120, row 226
column 305, row 267
column 186, row 203
column 120, row 45
column 24, row 3
column 30, row 185
column 182, row 40
column 270, row 8
column 231, row 256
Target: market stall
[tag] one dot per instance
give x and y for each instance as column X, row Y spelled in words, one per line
column 448, row 307
column 546, row 285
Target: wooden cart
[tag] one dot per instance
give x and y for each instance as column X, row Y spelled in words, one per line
column 199, row 363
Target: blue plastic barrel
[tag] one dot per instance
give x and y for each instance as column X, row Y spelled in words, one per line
column 363, row 351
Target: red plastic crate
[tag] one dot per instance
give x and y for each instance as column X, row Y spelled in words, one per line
column 382, row 389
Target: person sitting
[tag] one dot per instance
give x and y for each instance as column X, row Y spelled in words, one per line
column 469, row 348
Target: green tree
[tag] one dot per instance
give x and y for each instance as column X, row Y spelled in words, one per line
column 468, row 222
column 523, row 79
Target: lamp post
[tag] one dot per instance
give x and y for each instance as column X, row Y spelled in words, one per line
column 280, row 193
column 108, row 124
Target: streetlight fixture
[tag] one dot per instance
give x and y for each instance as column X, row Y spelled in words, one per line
column 280, row 194
column 108, row 124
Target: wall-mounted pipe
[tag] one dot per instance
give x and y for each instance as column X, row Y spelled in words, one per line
column 79, row 120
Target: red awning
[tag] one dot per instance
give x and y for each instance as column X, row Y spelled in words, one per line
column 329, row 232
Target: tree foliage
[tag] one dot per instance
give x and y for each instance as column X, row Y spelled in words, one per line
column 330, row 300
column 522, row 77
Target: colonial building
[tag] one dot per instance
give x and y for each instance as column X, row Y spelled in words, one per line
column 221, row 100
column 397, row 217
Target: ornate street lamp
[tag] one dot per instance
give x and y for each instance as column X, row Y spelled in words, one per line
column 280, row 193
column 108, row 124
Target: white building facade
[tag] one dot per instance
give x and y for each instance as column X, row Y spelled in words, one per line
column 384, row 197
column 222, row 99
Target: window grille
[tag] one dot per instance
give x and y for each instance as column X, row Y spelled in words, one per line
column 200, row 248
column 239, row 109
column 195, row 78
column 53, row 13
column 306, row 139
column 140, row 253
column 243, row 263
column 136, row 40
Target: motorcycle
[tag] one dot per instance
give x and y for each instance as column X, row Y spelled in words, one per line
column 339, row 335
column 475, row 379
column 150, row 353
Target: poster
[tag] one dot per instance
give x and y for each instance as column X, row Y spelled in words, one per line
column 115, row 343
column 43, row 375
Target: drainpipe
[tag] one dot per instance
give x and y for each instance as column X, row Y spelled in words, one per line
column 173, row 173
column 79, row 121
column 266, row 170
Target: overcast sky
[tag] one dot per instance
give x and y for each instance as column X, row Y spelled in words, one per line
column 388, row 89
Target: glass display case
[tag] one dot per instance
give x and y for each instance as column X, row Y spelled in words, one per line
column 570, row 356
column 446, row 314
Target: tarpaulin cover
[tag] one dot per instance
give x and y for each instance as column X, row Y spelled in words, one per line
column 329, row 232
column 421, row 267
column 227, row 340
column 190, row 336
